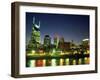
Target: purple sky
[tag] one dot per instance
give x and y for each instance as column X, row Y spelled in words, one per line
column 71, row 27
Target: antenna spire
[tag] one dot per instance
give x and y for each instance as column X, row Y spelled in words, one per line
column 39, row 23
column 33, row 20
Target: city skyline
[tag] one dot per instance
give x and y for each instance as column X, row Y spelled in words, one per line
column 60, row 24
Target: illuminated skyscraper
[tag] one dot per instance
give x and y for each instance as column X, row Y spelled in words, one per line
column 34, row 43
column 85, row 42
column 47, row 40
column 47, row 43
column 56, row 41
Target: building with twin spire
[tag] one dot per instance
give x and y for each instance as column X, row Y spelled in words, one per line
column 34, row 42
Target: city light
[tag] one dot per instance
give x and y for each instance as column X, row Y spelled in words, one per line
column 58, row 53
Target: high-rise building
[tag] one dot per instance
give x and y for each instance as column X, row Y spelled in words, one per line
column 34, row 43
column 56, row 41
column 47, row 40
column 47, row 43
column 61, row 40
column 61, row 43
column 85, row 42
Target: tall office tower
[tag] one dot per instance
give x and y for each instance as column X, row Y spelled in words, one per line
column 61, row 43
column 61, row 40
column 85, row 43
column 47, row 43
column 56, row 41
column 34, row 43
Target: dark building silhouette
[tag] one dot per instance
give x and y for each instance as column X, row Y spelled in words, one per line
column 64, row 46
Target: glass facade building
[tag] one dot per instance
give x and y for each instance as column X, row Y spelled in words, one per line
column 34, row 43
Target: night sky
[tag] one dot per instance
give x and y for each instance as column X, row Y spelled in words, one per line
column 71, row 27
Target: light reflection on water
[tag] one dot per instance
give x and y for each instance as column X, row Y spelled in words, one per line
column 55, row 62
